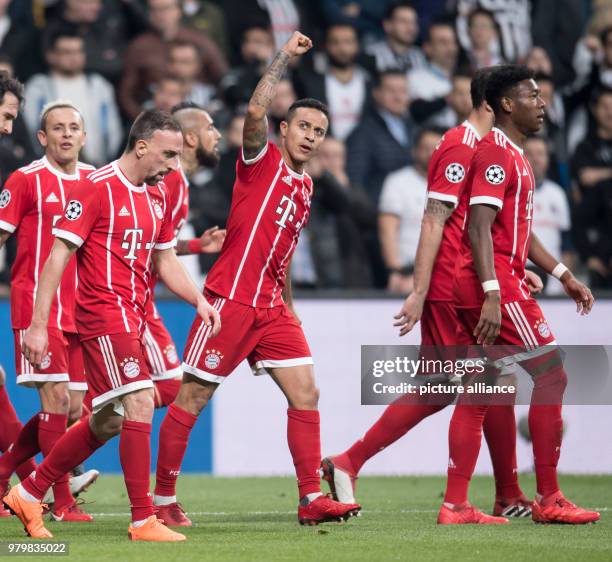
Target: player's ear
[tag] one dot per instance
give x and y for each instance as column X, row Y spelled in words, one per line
column 141, row 148
column 42, row 138
column 190, row 139
column 506, row 104
column 283, row 128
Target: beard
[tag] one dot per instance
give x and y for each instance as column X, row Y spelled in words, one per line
column 340, row 63
column 207, row 158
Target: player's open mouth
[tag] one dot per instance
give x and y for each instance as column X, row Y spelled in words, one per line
column 305, row 148
column 66, row 145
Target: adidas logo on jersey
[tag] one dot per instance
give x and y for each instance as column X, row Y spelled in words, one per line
column 525, row 173
column 52, row 198
column 287, row 180
column 124, row 212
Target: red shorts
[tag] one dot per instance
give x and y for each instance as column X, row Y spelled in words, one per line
column 115, row 365
column 160, row 350
column 63, row 362
column 266, row 337
column 439, row 323
column 524, row 331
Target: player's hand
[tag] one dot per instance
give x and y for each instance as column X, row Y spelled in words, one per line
column 534, row 282
column 579, row 293
column 489, row 325
column 34, row 346
column 297, row 45
column 410, row 313
column 212, row 240
column 210, row 316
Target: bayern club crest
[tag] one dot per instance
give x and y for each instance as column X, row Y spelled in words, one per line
column 213, row 358
column 46, row 362
column 495, row 174
column 171, row 355
column 74, row 210
column 158, row 210
column 455, row 172
column 542, row 327
column 130, row 367
column 5, row 198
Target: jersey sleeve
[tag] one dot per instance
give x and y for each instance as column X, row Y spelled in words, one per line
column 448, row 179
column 491, row 171
column 166, row 238
column 81, row 213
column 16, row 199
column 248, row 170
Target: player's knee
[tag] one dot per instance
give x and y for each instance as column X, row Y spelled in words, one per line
column 57, row 398
column 197, row 400
column 306, row 399
column 139, row 405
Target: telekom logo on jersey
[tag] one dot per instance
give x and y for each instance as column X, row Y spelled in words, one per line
column 287, row 213
column 132, row 241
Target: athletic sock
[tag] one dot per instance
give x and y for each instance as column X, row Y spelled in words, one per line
column 464, row 437
column 135, row 455
column 173, row 438
column 71, row 449
column 24, row 447
column 51, row 427
column 303, row 437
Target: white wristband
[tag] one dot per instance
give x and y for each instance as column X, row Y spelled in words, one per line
column 559, row 270
column 491, row 285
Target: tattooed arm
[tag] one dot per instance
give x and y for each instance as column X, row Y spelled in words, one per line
column 255, row 132
column 432, row 227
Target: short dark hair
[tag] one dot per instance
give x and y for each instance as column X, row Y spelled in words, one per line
column 427, row 131
column 380, row 76
column 337, row 24
column 543, row 77
column 11, row 85
column 480, row 12
column 599, row 93
column 393, row 6
column 479, row 85
column 182, row 43
column 147, row 123
column 502, row 80
column 603, row 36
column 186, row 105
column 309, row 103
column 65, row 31
column 438, row 22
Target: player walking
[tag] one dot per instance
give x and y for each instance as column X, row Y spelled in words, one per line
column 493, row 301
column 120, row 231
column 249, row 286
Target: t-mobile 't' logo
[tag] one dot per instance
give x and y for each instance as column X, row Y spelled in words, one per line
column 132, row 241
column 287, row 212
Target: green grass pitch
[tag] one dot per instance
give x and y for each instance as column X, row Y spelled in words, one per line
column 254, row 519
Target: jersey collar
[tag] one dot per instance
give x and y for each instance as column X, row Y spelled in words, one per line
column 468, row 125
column 508, row 139
column 138, row 188
column 59, row 173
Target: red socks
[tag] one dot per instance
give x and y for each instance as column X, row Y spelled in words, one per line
column 24, row 447
column 464, row 437
column 71, row 449
column 173, row 437
column 51, row 427
column 135, row 455
column 303, row 437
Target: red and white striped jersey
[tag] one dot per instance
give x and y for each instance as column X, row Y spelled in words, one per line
column 270, row 206
column 502, row 177
column 446, row 180
column 116, row 225
column 32, row 200
column 177, row 187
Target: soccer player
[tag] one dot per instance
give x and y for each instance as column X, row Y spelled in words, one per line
column 431, row 303
column 494, row 305
column 120, row 227
column 200, row 142
column 249, row 286
column 31, row 202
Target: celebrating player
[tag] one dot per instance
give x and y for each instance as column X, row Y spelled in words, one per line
column 120, row 228
column 32, row 201
column 249, row 286
column 200, row 140
column 493, row 301
column 431, row 303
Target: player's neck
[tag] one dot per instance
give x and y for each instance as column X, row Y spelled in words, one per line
column 189, row 165
column 510, row 130
column 68, row 168
column 128, row 164
column 480, row 121
column 295, row 166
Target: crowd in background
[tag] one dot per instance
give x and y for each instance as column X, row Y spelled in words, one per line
column 394, row 74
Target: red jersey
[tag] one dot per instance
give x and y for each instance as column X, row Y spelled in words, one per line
column 32, row 200
column 270, row 206
column 500, row 176
column 116, row 225
column 177, row 188
column 446, row 175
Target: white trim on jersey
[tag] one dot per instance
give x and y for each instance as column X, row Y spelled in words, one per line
column 39, row 202
column 151, row 247
column 131, row 262
column 505, row 140
column 33, row 167
column 199, row 341
column 59, row 288
column 443, row 197
column 100, row 401
column 469, row 125
column 96, row 175
column 517, row 199
column 78, row 386
column 487, row 200
column 169, row 374
column 112, row 369
column 249, row 161
column 58, row 173
column 260, row 366
column 138, row 188
column 40, row 377
column 7, row 226
column 166, row 245
column 522, row 326
column 254, row 229
column 504, row 362
column 154, row 353
column 67, row 235
column 204, row 375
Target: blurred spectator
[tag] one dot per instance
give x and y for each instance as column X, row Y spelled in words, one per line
column 207, row 18
column 256, row 52
column 285, row 96
column 397, row 51
column 483, row 49
column 400, row 209
column 106, row 26
column 513, row 19
column 364, row 15
column 185, row 63
column 593, row 60
column 537, row 59
column 146, row 57
column 167, row 92
column 460, row 100
column 428, row 86
column 20, row 43
column 381, row 143
column 344, row 86
column 91, row 93
column 592, row 169
column 551, row 214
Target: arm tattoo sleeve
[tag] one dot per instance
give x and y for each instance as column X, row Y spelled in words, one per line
column 439, row 210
